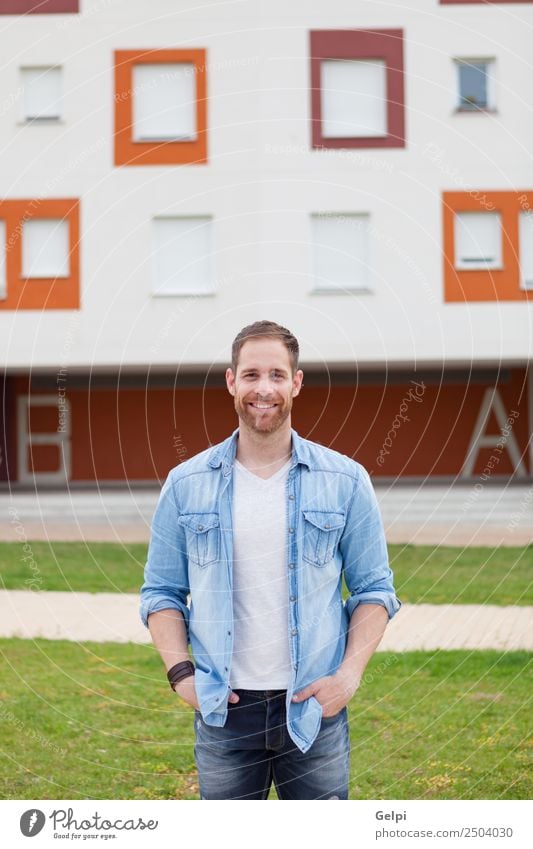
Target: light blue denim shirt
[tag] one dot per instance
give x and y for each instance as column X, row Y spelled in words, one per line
column 334, row 528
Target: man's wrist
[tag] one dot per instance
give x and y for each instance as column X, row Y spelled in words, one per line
column 179, row 671
column 188, row 679
column 349, row 677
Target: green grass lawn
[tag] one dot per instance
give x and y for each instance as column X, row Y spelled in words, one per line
column 432, row 574
column 99, row 721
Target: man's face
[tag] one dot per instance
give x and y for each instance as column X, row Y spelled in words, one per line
column 264, row 386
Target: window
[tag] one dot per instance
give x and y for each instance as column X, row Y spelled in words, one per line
column 164, row 104
column 488, row 2
column 160, row 107
column 3, row 272
column 45, row 248
column 525, row 238
column 353, row 93
column 478, row 240
column 340, row 252
column 39, row 7
column 182, row 253
column 41, row 94
column 475, row 84
column 40, row 241
column 357, row 88
column 487, row 247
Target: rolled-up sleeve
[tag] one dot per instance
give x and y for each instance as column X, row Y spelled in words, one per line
column 367, row 573
column 166, row 581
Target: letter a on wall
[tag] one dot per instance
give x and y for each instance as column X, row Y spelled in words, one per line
column 492, row 402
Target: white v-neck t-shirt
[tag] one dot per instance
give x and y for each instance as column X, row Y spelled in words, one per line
column 261, row 657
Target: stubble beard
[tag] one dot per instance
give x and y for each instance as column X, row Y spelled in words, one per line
column 261, row 423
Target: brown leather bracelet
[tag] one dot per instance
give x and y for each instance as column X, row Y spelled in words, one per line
column 180, row 671
column 178, row 680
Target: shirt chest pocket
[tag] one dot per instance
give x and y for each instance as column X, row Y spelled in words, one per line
column 321, row 534
column 202, row 531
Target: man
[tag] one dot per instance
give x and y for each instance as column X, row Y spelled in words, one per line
column 259, row 531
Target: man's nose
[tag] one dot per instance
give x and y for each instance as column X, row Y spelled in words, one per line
column 264, row 385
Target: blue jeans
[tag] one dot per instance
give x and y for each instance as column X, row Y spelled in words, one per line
column 242, row 758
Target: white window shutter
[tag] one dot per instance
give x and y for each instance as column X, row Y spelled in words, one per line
column 164, row 102
column 478, row 240
column 354, row 98
column 182, row 256
column 45, row 248
column 525, row 237
column 41, row 93
column 340, row 251
column 3, row 258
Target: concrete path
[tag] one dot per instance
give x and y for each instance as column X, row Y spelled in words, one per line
column 429, row 513
column 113, row 617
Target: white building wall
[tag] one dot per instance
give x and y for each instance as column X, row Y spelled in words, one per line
column 263, row 181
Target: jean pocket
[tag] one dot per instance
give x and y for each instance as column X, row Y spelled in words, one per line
column 202, row 532
column 322, row 532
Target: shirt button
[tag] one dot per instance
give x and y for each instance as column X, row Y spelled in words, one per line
column 229, row 633
column 294, row 632
column 201, row 527
column 291, row 497
column 291, row 565
column 293, row 598
column 291, row 530
column 327, row 526
column 225, row 669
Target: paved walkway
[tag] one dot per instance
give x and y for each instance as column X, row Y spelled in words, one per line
column 429, row 513
column 114, row 617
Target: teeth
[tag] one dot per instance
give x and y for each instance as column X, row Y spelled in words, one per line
column 263, row 406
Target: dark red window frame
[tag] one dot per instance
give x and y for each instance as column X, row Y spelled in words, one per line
column 384, row 44
column 38, row 7
column 486, row 2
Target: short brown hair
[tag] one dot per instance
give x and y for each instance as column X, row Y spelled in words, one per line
column 268, row 329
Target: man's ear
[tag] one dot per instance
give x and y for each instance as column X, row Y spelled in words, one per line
column 297, row 382
column 230, row 381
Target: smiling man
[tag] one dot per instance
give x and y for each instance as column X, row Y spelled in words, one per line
column 259, row 531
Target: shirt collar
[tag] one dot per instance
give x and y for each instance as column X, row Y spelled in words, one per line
column 224, row 453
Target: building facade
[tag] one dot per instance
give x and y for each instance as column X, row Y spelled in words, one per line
column 360, row 174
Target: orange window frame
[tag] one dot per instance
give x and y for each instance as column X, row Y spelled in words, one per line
column 40, row 293
column 477, row 284
column 130, row 152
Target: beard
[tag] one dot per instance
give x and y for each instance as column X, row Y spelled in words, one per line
column 263, row 421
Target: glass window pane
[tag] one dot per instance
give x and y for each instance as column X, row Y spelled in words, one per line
column 473, row 88
column 353, row 98
column 478, row 242
column 182, row 256
column 340, row 248
column 45, row 248
column 526, row 249
column 164, row 102
column 42, row 93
